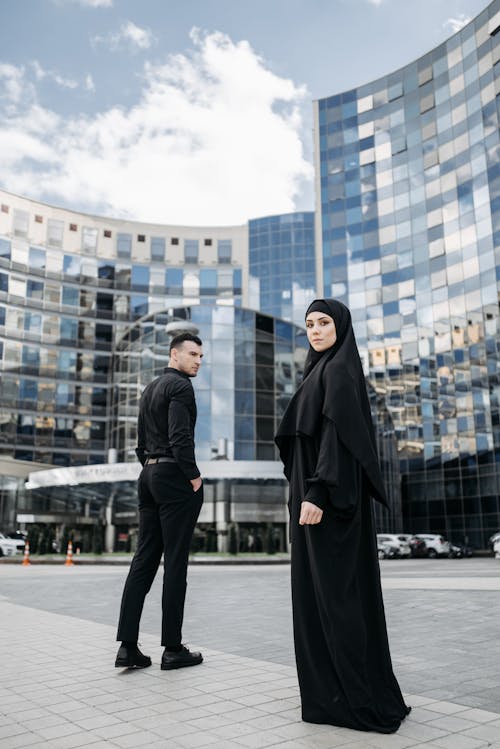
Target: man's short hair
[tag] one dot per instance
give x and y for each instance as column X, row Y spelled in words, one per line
column 178, row 340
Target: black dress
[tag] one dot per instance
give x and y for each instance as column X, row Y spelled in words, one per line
column 341, row 646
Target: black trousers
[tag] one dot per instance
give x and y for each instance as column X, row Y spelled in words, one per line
column 168, row 511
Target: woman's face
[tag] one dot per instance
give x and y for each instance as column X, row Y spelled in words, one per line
column 321, row 331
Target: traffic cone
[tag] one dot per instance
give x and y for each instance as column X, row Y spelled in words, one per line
column 69, row 556
column 26, row 561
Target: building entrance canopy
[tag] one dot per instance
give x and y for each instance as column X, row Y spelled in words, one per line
column 112, row 473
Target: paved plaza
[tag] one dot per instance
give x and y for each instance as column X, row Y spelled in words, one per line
column 59, row 688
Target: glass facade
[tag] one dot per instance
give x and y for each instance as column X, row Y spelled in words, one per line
column 282, row 264
column 252, row 365
column 409, row 172
column 68, row 292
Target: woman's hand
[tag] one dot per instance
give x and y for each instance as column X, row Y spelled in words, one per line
column 310, row 514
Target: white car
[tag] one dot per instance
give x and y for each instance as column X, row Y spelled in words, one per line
column 394, row 541
column 10, row 546
column 436, row 545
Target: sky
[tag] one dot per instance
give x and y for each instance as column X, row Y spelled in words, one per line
column 196, row 112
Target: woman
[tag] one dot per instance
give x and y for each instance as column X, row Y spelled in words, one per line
column 327, row 444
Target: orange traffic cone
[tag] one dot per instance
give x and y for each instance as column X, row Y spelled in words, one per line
column 26, row 560
column 69, row 555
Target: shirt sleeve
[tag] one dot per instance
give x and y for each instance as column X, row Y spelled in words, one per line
column 335, row 481
column 140, row 450
column 180, row 432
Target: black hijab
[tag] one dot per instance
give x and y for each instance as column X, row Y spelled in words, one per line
column 334, row 387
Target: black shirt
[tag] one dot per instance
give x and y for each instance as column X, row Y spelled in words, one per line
column 167, row 417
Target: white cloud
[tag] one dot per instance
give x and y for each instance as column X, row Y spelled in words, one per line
column 456, row 23
column 376, row 2
column 128, row 35
column 215, row 138
column 13, row 84
column 41, row 74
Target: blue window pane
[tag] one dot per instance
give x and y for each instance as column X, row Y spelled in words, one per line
column 32, row 322
column 70, row 295
column 139, row 305
column 69, row 329
column 191, row 250
column 5, row 249
column 4, row 282
column 237, row 281
column 158, row 248
column 34, row 289
column 71, row 265
column 124, row 245
column 140, row 278
column 224, row 250
column 28, row 390
column 36, row 258
column 106, row 270
column 208, row 281
column 174, row 278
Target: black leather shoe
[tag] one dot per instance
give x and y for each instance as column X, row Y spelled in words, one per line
column 131, row 658
column 179, row 658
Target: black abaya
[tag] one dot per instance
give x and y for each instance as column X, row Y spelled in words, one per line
column 341, row 647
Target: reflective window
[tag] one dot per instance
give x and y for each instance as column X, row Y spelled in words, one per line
column 158, row 248
column 191, row 250
column 124, row 245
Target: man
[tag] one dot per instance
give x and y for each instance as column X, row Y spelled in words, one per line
column 170, row 498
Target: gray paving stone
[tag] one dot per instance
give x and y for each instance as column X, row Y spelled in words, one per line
column 246, row 693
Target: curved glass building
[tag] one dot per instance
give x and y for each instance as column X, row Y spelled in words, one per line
column 406, row 233
column 408, row 186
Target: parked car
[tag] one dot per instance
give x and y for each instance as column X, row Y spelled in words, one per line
column 396, row 541
column 10, row 546
column 493, row 539
column 458, row 551
column 18, row 535
column 436, row 545
column 386, row 551
column 496, row 547
column 417, row 545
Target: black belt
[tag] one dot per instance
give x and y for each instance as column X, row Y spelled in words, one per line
column 154, row 461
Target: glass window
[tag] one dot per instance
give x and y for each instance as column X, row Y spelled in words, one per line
column 32, row 322
column 55, row 232
column 191, row 250
column 71, row 265
column 139, row 305
column 140, row 278
column 89, row 240
column 124, row 245
column 224, row 250
column 105, row 270
column 36, row 259
column 34, row 289
column 5, row 246
column 69, row 329
column 174, row 279
column 4, row 282
column 158, row 248
column 70, row 295
column 208, row 281
column 28, row 390
column 21, row 223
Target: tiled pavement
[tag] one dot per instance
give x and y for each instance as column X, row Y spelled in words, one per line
column 58, row 690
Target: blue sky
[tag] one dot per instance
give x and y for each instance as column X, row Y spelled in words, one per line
column 194, row 112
